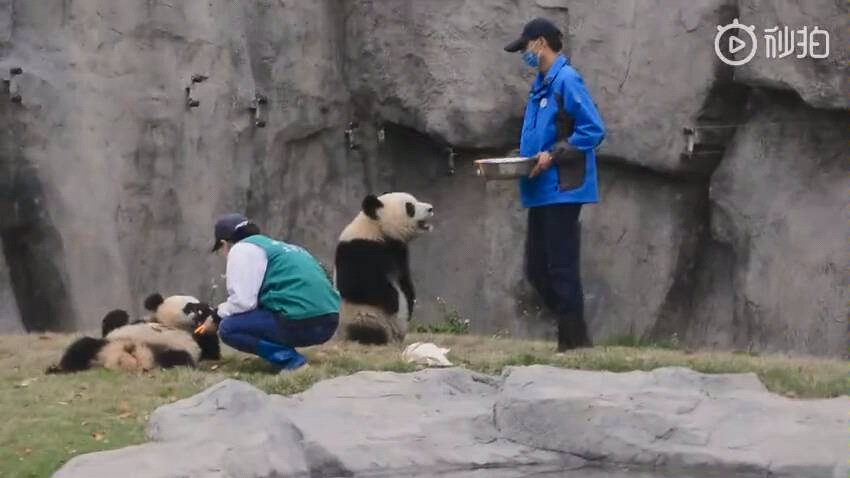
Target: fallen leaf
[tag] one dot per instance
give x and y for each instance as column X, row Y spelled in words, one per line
column 214, row 367
column 62, row 403
column 26, row 383
column 126, row 415
column 97, row 436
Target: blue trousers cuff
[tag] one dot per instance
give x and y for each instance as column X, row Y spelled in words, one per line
column 280, row 355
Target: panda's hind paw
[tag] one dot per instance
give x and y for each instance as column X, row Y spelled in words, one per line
column 174, row 358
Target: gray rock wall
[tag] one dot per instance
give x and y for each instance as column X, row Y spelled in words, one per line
column 109, row 183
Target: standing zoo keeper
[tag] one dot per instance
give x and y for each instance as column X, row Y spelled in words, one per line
column 279, row 296
column 561, row 128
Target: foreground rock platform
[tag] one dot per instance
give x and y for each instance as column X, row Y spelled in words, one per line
column 451, row 422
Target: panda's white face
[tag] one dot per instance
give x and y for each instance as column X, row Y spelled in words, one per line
column 402, row 216
column 172, row 312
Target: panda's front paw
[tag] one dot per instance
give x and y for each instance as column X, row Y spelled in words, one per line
column 216, row 319
column 207, row 327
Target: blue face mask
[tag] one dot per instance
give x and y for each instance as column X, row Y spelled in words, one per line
column 531, row 59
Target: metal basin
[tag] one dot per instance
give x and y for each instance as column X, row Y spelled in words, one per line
column 504, row 168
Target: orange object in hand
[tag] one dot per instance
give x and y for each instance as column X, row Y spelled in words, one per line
column 207, row 326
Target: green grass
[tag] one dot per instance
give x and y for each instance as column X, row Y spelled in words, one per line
column 452, row 322
column 45, row 420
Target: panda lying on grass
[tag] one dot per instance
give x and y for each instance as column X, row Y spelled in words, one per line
column 166, row 339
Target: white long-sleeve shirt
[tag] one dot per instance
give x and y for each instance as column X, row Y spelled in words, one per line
column 246, row 268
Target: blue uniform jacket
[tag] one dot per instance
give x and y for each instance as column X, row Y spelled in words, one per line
column 560, row 108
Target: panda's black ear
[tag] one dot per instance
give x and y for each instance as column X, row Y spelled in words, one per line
column 113, row 320
column 153, row 301
column 370, row 206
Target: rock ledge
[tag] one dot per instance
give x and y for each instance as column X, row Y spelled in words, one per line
column 450, row 420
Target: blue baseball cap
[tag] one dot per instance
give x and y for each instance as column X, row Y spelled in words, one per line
column 539, row 27
column 225, row 227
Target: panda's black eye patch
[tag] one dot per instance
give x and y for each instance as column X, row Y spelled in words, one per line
column 411, row 209
column 193, row 308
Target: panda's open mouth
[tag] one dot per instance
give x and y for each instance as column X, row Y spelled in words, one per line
column 424, row 225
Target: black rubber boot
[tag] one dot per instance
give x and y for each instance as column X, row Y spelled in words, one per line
column 565, row 336
column 581, row 337
column 572, row 332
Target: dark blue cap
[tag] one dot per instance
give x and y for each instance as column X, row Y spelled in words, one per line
column 539, row 27
column 225, row 226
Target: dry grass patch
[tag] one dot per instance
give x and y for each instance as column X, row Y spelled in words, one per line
column 45, row 420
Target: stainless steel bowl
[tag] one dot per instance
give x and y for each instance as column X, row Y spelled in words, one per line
column 504, row 168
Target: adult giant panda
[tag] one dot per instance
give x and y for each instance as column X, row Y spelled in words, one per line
column 164, row 340
column 372, row 268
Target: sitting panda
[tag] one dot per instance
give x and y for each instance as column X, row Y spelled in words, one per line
column 372, row 268
column 164, row 340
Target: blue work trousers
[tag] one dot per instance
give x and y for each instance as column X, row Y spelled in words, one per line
column 552, row 260
column 274, row 338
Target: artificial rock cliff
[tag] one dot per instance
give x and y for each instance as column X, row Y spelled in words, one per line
column 110, row 182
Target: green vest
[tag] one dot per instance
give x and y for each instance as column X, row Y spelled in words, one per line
column 295, row 285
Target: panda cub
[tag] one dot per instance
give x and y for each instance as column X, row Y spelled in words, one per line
column 163, row 341
column 372, row 268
